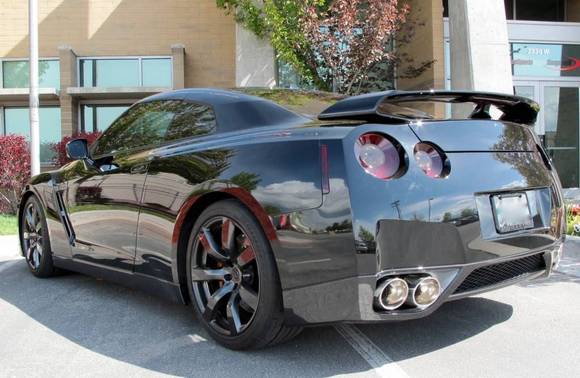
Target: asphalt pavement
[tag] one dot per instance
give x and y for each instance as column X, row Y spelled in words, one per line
column 74, row 325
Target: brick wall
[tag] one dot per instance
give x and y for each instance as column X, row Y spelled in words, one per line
column 129, row 27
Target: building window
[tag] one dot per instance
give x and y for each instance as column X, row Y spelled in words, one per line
column 540, row 10
column 156, row 72
column 529, row 10
column 97, row 117
column 15, row 74
column 16, row 121
column 125, row 72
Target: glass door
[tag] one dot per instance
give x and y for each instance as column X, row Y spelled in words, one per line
column 531, row 90
column 559, row 119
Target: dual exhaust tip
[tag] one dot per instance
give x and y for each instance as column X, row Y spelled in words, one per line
column 414, row 291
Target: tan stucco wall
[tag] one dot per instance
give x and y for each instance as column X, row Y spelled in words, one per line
column 129, row 27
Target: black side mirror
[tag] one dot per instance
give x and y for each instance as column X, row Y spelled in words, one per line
column 77, row 149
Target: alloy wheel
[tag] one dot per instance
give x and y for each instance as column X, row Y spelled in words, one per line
column 32, row 235
column 225, row 276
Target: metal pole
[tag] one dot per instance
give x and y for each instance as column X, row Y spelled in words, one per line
column 33, row 100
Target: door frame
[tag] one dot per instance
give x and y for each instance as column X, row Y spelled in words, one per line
column 539, row 86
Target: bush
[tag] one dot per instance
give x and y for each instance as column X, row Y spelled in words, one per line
column 14, row 171
column 572, row 219
column 59, row 148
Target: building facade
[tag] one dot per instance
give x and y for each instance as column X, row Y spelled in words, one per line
column 98, row 57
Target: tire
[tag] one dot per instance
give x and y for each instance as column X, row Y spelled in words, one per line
column 233, row 279
column 34, row 239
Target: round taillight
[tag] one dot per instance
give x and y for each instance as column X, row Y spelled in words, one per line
column 431, row 160
column 379, row 156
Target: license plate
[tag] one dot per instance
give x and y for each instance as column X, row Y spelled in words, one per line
column 512, row 212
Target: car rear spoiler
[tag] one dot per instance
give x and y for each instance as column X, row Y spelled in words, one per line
column 388, row 107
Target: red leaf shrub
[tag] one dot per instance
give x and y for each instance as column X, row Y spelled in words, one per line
column 14, row 170
column 60, row 147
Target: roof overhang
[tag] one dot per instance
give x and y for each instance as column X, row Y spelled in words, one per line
column 113, row 93
column 22, row 94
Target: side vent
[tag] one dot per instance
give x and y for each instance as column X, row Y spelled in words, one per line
column 64, row 218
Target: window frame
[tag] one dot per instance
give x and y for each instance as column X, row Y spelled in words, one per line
column 139, row 58
column 2, row 60
column 165, row 142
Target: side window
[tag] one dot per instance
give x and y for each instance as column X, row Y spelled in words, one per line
column 142, row 125
column 191, row 120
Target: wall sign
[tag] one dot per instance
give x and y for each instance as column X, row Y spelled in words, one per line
column 530, row 59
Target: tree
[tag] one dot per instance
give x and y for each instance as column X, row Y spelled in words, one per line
column 334, row 44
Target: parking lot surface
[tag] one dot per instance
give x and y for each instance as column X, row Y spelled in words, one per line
column 74, row 325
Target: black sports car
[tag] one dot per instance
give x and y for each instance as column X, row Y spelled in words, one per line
column 266, row 220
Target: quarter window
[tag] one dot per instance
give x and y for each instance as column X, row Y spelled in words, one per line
column 191, row 120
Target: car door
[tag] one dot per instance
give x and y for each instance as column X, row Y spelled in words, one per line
column 103, row 196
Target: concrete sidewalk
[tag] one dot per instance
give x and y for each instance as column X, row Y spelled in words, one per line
column 9, row 249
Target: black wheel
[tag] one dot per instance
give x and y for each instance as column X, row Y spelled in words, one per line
column 233, row 280
column 34, row 239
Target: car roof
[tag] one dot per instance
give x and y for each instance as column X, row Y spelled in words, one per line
column 210, row 96
column 235, row 110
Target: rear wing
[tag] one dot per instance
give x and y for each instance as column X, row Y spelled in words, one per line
column 389, row 107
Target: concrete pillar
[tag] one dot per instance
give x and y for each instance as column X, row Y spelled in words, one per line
column 68, row 78
column 178, row 54
column 255, row 60
column 426, row 45
column 480, row 51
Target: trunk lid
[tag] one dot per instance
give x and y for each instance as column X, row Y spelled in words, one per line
column 476, row 135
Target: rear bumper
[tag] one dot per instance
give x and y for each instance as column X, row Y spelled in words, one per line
column 351, row 300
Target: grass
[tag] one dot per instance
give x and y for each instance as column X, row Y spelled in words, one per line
column 8, row 225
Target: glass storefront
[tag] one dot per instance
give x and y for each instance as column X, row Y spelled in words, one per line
column 15, row 74
column 550, row 75
column 125, row 72
column 16, row 121
column 561, row 136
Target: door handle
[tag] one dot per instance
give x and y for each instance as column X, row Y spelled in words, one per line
column 139, row 168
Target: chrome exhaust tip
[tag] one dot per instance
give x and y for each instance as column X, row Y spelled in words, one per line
column 423, row 291
column 392, row 293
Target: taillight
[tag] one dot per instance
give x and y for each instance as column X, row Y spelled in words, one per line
column 380, row 156
column 432, row 160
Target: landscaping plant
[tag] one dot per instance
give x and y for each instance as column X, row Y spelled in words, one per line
column 334, row 45
column 14, row 171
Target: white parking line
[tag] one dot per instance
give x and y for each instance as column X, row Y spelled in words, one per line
column 382, row 364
